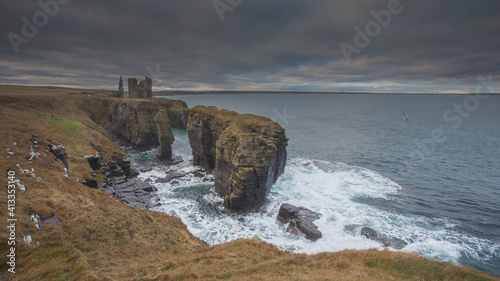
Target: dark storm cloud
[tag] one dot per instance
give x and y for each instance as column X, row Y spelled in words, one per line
column 431, row 46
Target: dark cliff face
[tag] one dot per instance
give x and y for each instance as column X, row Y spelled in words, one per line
column 204, row 128
column 132, row 121
column 165, row 136
column 246, row 152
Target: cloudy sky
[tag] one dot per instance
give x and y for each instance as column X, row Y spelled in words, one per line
column 426, row 45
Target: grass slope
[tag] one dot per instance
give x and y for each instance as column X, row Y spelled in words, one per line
column 102, row 239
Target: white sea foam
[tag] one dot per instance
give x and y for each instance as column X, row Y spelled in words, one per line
column 328, row 188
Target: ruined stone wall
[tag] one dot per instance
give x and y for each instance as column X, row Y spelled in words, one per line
column 133, row 88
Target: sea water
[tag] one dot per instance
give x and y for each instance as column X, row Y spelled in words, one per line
column 431, row 182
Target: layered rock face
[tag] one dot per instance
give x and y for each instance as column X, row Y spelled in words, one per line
column 165, row 135
column 133, row 122
column 246, row 152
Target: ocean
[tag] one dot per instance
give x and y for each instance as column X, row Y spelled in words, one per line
column 431, row 181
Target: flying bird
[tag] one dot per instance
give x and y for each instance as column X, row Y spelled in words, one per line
column 406, row 118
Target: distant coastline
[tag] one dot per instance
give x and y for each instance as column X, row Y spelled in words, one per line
column 228, row 92
column 50, row 89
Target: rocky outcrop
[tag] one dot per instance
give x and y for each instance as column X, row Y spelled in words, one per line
column 246, row 152
column 131, row 122
column 300, row 221
column 165, row 135
column 60, row 153
column 133, row 192
column 371, row 234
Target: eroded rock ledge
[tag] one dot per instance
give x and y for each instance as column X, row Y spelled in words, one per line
column 246, row 152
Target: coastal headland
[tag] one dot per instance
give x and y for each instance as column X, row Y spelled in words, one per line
column 66, row 230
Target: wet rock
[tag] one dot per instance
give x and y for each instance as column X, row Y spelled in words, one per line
column 173, row 161
column 387, row 242
column 170, row 176
column 145, row 170
column 308, row 229
column 300, row 221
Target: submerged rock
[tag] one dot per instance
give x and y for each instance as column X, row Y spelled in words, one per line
column 300, row 221
column 371, row 234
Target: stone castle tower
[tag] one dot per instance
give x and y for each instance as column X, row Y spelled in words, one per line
column 143, row 90
column 121, row 92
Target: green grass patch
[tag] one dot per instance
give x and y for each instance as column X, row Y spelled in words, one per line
column 72, row 126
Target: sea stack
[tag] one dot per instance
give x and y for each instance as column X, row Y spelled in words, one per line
column 165, row 135
column 246, row 152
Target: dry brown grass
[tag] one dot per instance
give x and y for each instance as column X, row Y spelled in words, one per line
column 102, row 239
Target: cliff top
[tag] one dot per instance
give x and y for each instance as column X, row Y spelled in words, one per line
column 239, row 123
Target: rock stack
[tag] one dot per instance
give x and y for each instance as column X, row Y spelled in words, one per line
column 246, row 152
column 165, row 135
